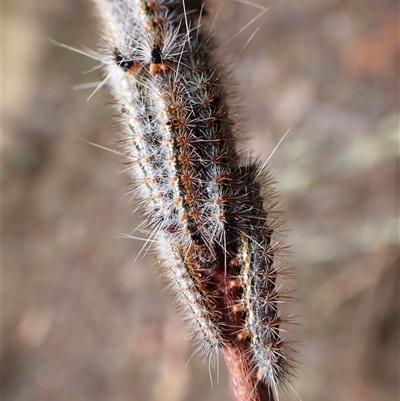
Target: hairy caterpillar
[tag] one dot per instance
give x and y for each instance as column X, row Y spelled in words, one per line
column 212, row 211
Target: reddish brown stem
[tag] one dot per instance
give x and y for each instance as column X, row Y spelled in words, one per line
column 243, row 382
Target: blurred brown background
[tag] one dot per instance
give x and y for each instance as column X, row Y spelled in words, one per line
column 83, row 321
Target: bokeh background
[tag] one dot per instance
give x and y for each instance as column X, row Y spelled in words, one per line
column 82, row 320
